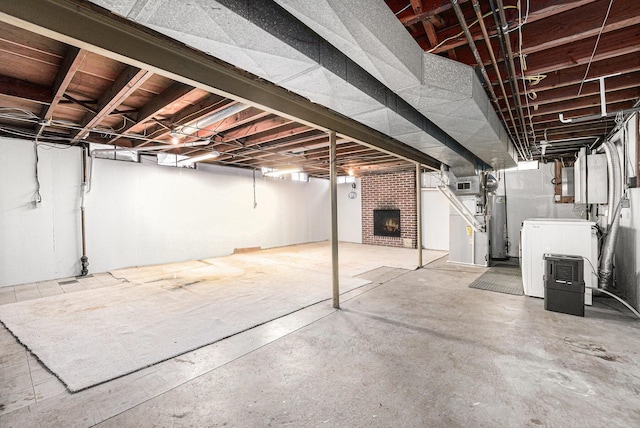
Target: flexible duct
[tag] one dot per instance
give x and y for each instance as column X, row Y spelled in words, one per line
column 615, row 190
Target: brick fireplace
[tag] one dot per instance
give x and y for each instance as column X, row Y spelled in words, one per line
column 394, row 191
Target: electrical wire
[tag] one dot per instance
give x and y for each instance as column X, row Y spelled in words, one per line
column 37, row 197
column 403, row 9
column 462, row 32
column 609, row 293
column 255, row 202
column 519, row 19
column 586, row 73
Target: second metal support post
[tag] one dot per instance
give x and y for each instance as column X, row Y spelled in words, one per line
column 419, row 213
column 334, row 219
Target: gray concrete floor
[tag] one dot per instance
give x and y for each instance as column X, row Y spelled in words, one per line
column 413, row 348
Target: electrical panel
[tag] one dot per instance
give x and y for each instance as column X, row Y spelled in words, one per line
column 597, row 179
column 590, row 179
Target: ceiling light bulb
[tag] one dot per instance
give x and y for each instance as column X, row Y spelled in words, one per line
column 174, row 136
column 350, row 172
column 212, row 154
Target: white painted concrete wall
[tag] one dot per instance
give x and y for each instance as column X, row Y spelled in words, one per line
column 43, row 242
column 140, row 214
column 350, row 213
column 530, row 195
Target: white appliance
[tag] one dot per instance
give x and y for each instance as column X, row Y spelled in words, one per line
column 573, row 237
column 467, row 246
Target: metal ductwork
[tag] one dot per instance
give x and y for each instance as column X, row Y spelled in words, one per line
column 362, row 65
column 447, row 92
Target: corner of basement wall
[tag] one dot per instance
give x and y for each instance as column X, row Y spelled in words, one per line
column 627, row 253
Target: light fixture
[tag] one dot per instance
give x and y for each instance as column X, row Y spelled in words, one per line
column 174, row 136
column 350, row 172
column 210, row 155
column 268, row 172
column 216, row 117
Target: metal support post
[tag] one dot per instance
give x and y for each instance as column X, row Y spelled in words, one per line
column 334, row 219
column 419, row 213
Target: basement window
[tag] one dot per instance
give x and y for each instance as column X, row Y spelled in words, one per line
column 176, row 161
column 524, row 165
column 299, row 176
column 105, row 151
column 342, row 179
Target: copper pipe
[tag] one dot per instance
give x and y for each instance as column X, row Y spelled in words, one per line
column 494, row 62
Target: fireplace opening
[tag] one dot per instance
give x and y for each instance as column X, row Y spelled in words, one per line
column 386, row 223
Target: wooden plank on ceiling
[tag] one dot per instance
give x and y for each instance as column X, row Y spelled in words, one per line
column 24, row 90
column 169, row 96
column 579, row 24
column 126, row 83
column 539, row 10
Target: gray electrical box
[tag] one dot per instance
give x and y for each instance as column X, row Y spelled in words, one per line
column 597, row 179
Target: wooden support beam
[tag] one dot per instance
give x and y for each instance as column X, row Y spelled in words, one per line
column 617, row 83
column 211, row 104
column 613, row 97
column 268, row 124
column 417, row 6
column 612, row 44
column 431, row 32
column 540, row 9
column 24, row 90
column 579, row 24
column 429, row 9
column 72, row 60
column 127, row 82
column 154, row 106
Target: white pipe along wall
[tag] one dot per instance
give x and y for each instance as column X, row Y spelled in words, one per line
column 141, row 213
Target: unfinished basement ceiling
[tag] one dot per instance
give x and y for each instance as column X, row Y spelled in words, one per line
column 553, row 62
column 264, row 39
column 402, row 69
column 59, row 93
column 419, row 51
